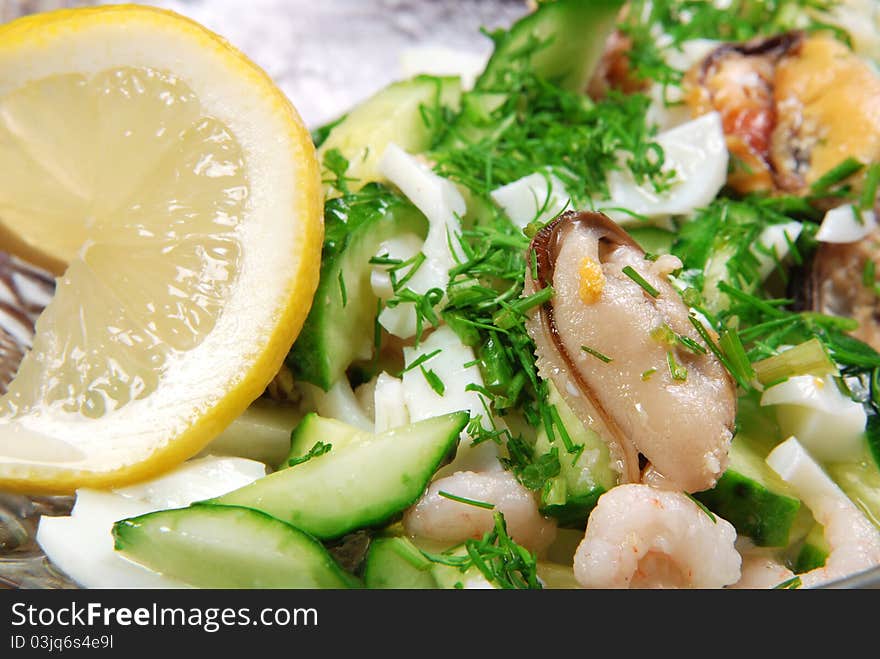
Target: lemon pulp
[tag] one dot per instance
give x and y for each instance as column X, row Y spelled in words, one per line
column 185, row 282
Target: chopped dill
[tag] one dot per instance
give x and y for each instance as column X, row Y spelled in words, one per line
column 789, row 584
column 595, row 353
column 497, row 556
column 676, row 370
column 702, row 507
column 631, row 272
column 647, row 374
column 342, row 291
column 320, row 448
column 434, row 381
column 469, row 502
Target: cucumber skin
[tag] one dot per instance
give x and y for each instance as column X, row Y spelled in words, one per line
column 738, row 498
column 304, row 436
column 386, row 568
column 126, row 532
column 573, row 514
column 810, row 558
column 325, row 348
column 578, row 28
column 373, row 514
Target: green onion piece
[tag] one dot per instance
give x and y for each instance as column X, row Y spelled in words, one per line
column 789, row 584
column 733, row 350
column 320, row 448
column 808, row 358
column 647, row 374
column 676, row 370
column 515, row 312
column 342, row 289
column 630, row 272
column 434, row 380
column 596, row 354
column 835, row 175
column 872, row 181
column 470, row 502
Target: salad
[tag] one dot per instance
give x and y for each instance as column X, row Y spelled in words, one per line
column 606, row 317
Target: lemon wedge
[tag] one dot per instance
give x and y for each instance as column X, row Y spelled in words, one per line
column 178, row 191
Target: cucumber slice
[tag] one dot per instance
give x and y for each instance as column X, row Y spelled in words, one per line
column 562, row 42
column 814, row 552
column 653, row 240
column 362, row 484
column 570, row 37
column 226, row 547
column 753, row 498
column 315, row 428
column 582, row 479
column 405, row 113
column 340, row 326
column 861, row 483
column 397, row 563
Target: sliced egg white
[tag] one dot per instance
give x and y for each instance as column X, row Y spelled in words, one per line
column 81, row 545
column 389, row 402
column 828, row 423
column 537, row 197
column 454, row 367
column 697, row 152
column 443, row 205
column 794, row 464
column 845, row 224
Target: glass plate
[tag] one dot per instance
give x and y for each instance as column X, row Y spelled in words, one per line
column 326, row 56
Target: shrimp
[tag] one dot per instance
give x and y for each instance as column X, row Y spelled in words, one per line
column 760, row 567
column 436, row 517
column 854, row 542
column 641, row 537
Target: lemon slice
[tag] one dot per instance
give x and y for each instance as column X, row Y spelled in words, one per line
column 178, row 191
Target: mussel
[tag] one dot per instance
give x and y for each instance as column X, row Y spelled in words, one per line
column 793, row 107
column 616, row 340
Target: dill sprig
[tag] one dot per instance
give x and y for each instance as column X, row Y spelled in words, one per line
column 497, row 556
column 538, row 124
column 736, row 20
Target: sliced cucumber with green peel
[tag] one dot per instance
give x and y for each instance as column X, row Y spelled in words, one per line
column 340, row 326
column 314, row 429
column 397, row 563
column 363, row 484
column 653, row 240
column 752, row 497
column 814, row 552
column 563, row 41
column 227, row 547
column 583, row 478
column 861, row 483
column 406, row 113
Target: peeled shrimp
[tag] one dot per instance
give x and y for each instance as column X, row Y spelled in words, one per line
column 760, row 567
column 641, row 537
column 853, row 540
column 436, row 517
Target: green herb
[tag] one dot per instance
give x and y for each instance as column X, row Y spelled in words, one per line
column 807, row 358
column 836, row 175
column 789, row 584
column 539, row 470
column 434, row 381
column 514, row 312
column 677, row 371
column 595, row 353
column 421, row 359
column 342, row 289
column 469, row 502
column 869, row 191
column 701, row 506
column 320, row 448
column 630, row 272
column 647, row 374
